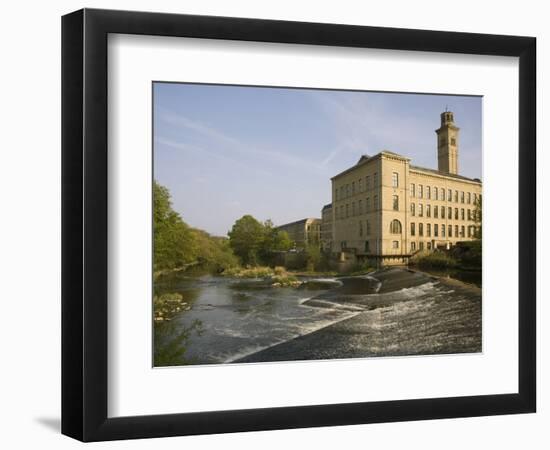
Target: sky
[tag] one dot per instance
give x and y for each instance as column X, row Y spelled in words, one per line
column 226, row 151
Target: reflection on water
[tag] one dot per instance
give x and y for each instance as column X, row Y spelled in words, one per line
column 228, row 318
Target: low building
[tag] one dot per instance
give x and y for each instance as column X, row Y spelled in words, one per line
column 303, row 232
column 387, row 209
column 326, row 227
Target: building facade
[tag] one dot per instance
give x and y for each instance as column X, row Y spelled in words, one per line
column 303, row 232
column 387, row 209
column 326, row 227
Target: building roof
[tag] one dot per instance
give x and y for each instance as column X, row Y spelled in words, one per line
column 444, row 174
column 327, row 206
column 366, row 158
column 298, row 221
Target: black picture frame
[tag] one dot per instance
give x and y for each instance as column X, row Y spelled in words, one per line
column 84, row 224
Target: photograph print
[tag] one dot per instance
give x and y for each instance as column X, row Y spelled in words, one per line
column 296, row 224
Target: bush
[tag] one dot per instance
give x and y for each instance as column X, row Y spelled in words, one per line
column 360, row 268
column 436, row 260
column 249, row 272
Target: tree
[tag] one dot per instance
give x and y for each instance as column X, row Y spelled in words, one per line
column 174, row 244
column 246, row 238
column 275, row 240
column 313, row 256
column 478, row 208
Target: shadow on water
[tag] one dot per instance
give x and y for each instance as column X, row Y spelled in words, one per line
column 466, row 276
column 171, row 342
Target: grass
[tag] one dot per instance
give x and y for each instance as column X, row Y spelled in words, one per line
column 436, row 260
column 278, row 276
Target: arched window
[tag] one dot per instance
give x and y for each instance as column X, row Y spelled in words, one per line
column 395, row 227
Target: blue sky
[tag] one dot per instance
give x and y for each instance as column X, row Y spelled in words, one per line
column 226, row 151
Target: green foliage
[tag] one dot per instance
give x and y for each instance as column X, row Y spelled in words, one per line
column 254, row 243
column 313, row 256
column 171, row 343
column 177, row 245
column 174, row 245
column 436, row 260
column 214, row 252
column 246, row 238
column 249, row 272
column 469, row 254
column 478, row 217
column 360, row 268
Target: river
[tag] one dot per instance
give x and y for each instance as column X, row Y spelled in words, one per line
column 391, row 312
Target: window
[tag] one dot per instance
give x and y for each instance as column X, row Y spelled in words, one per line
column 442, row 230
column 428, row 192
column 367, row 204
column 429, row 229
column 360, row 207
column 462, row 214
column 395, row 203
column 429, row 245
column 347, row 190
column 420, row 229
column 413, row 246
column 428, row 211
column 375, row 205
column 450, row 229
column 343, row 244
column 453, row 141
column 353, row 209
column 360, row 228
column 375, row 180
column 442, row 212
column 368, row 227
column 360, row 184
column 456, row 231
column 462, row 197
column 353, row 188
column 367, row 248
column 442, row 194
column 412, row 209
column 462, row 229
column 367, row 182
column 395, row 227
column 395, row 179
column 449, row 213
column 420, row 210
column 475, row 199
column 456, row 196
column 421, row 245
column 450, row 195
column 347, row 210
column 436, row 197
column 420, row 191
column 436, row 211
column 412, row 190
column 456, row 213
column 413, row 229
column 436, row 230
column 395, row 244
column 469, row 214
column 469, row 197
